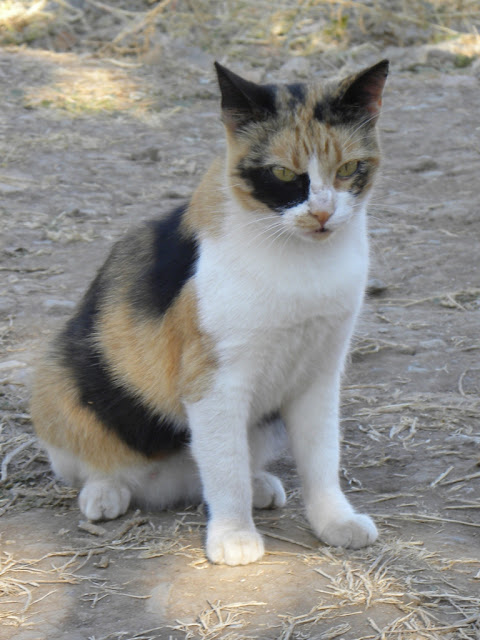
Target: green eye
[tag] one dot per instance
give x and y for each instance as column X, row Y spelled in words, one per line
column 284, row 174
column 348, row 169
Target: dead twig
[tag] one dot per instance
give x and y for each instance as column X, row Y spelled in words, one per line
column 11, row 455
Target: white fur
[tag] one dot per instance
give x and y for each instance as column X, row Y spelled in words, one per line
column 281, row 313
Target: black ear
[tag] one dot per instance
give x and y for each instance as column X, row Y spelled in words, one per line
column 243, row 101
column 363, row 92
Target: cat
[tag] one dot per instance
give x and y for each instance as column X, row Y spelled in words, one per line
column 210, row 333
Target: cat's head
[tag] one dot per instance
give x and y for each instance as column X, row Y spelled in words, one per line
column 303, row 155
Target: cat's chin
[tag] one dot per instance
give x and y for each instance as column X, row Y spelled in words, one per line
column 319, row 235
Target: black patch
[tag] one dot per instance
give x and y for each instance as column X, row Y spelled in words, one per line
column 319, row 112
column 244, row 101
column 366, row 89
column 275, row 193
column 333, row 111
column 117, row 407
column 172, row 263
column 357, row 98
column 297, row 91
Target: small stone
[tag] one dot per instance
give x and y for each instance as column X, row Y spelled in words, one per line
column 103, row 563
column 376, row 287
column 150, row 154
column 93, row 529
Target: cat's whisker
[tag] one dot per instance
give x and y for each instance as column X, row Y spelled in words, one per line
column 273, row 231
column 290, row 233
column 259, row 220
column 272, row 226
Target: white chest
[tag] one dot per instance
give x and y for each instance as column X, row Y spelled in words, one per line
column 275, row 319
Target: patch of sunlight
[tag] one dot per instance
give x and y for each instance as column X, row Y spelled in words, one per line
column 466, row 44
column 82, row 89
column 23, row 21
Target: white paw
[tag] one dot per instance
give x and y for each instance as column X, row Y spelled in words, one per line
column 103, row 500
column 354, row 531
column 234, row 546
column 268, row 491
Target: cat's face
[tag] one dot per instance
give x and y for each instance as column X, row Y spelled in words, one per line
column 302, row 157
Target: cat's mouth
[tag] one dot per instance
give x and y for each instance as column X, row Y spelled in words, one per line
column 322, row 231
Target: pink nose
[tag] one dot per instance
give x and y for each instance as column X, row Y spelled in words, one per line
column 321, row 216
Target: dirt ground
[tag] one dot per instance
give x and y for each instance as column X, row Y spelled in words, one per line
column 94, row 142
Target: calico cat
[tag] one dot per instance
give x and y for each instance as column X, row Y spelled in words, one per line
column 210, row 330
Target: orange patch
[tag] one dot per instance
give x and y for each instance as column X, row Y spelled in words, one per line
column 61, row 421
column 207, row 205
column 166, row 360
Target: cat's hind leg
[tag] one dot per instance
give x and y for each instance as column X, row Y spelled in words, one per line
column 173, row 480
column 155, row 485
column 102, row 497
column 105, row 496
column 266, row 441
column 65, row 465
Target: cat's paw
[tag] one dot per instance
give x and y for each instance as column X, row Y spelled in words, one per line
column 234, row 546
column 268, row 491
column 103, row 500
column 353, row 531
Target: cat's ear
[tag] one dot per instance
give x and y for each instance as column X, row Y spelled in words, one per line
column 243, row 101
column 363, row 91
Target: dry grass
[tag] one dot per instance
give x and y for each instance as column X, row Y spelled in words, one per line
column 22, row 585
column 307, row 28
column 24, row 21
column 83, row 89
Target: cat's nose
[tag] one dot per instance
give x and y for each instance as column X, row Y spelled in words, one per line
column 321, row 216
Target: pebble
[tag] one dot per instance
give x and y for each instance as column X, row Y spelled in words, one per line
column 151, row 154
column 92, row 529
column 375, row 287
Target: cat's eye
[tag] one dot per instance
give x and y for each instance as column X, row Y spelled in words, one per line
column 284, row 174
column 348, row 169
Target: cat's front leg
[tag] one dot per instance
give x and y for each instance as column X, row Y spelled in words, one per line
column 220, row 446
column 312, row 420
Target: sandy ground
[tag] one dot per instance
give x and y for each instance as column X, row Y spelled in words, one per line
column 90, row 146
